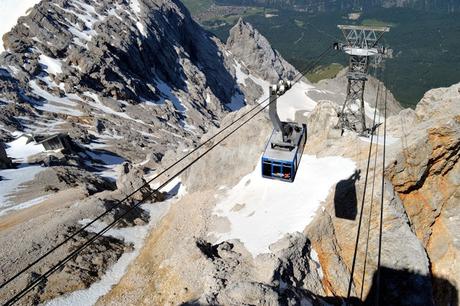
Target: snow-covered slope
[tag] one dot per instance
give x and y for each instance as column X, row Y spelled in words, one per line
column 295, row 101
column 10, row 11
column 263, row 211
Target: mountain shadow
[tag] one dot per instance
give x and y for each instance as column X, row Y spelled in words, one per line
column 404, row 288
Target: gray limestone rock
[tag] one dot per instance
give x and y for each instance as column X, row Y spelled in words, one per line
column 256, row 53
column 130, row 180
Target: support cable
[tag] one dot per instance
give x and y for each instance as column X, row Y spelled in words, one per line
column 370, row 209
column 381, row 202
column 355, row 253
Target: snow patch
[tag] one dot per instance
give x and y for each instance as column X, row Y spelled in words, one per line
column 24, row 205
column 380, row 140
column 19, row 150
column 53, row 104
column 314, row 256
column 294, row 100
column 269, row 209
column 175, row 187
column 141, row 28
column 169, row 95
column 241, row 78
column 53, row 66
column 96, row 103
column 135, row 6
column 11, row 180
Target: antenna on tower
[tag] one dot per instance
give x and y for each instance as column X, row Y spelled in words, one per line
column 362, row 45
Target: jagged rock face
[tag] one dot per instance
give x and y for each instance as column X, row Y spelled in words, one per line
column 285, row 277
column 426, row 176
column 143, row 69
column 333, row 232
column 256, row 52
column 131, row 181
column 323, row 119
column 421, row 196
column 117, row 49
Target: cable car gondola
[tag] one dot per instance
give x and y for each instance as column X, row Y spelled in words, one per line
column 285, row 147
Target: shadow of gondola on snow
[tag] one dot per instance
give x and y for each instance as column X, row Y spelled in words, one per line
column 345, row 199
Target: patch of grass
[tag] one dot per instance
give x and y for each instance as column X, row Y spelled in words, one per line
column 221, row 25
column 197, row 6
column 324, row 72
column 299, row 23
column 377, row 23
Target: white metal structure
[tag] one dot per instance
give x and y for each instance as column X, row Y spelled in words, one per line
column 362, row 45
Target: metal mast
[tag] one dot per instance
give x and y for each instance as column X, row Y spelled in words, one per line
column 362, row 45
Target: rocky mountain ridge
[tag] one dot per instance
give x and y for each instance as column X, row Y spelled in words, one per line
column 75, row 59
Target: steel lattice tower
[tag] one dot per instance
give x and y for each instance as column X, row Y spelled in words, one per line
column 362, row 46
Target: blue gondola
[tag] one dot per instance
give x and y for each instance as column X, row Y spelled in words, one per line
column 285, row 147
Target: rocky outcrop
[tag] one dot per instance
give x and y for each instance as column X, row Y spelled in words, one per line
column 284, row 277
column 124, row 72
column 254, row 50
column 132, row 179
column 5, row 161
column 426, row 175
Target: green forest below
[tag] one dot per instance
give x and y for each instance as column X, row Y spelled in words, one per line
column 425, row 44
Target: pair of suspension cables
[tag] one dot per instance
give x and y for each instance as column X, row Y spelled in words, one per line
column 378, row 101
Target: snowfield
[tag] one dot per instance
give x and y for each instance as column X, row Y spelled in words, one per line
column 19, row 150
column 12, row 179
column 294, row 100
column 10, row 11
column 262, row 211
column 24, row 205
